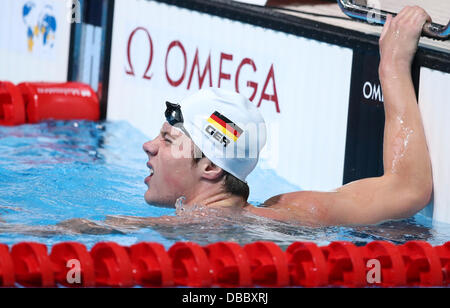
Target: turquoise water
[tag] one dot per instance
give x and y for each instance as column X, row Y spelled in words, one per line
column 55, row 171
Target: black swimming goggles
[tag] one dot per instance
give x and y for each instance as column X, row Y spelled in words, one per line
column 174, row 116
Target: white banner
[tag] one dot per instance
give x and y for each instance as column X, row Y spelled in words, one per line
column 34, row 40
column 162, row 52
column 434, row 103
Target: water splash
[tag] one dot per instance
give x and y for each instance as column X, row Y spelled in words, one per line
column 179, row 205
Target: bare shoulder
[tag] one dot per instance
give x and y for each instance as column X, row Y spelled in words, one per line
column 304, row 207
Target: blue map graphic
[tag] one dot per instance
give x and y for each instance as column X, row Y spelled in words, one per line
column 41, row 25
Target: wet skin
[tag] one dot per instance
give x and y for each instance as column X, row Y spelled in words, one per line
column 406, row 186
column 403, row 190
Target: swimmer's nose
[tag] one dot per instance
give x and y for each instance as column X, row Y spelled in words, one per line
column 150, row 147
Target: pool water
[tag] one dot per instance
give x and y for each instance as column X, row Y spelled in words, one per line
column 60, row 170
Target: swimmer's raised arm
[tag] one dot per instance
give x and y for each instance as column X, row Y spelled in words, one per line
column 406, row 186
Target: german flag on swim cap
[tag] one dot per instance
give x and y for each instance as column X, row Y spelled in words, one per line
column 225, row 125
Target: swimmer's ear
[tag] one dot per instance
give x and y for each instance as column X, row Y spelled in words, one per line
column 210, row 171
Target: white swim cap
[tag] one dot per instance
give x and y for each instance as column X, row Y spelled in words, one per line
column 227, row 127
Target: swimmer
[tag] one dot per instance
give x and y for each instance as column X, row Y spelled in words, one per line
column 185, row 161
column 197, row 161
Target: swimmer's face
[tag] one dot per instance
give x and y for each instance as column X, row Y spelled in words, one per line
column 170, row 160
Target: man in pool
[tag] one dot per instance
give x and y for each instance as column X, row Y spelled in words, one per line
column 197, row 161
column 189, row 157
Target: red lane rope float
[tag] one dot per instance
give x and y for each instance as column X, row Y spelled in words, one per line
column 32, row 102
column 7, row 278
column 190, row 265
column 62, row 101
column 112, row 265
column 32, row 265
column 345, row 264
column 73, row 259
column 152, row 266
column 307, row 265
column 392, row 266
column 268, row 264
column 226, row 264
column 444, row 255
column 230, row 264
column 12, row 106
column 423, row 266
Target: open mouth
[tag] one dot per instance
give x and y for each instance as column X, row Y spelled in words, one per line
column 151, row 172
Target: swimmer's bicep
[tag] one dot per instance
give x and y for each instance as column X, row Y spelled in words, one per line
column 371, row 201
column 305, row 207
column 365, row 201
